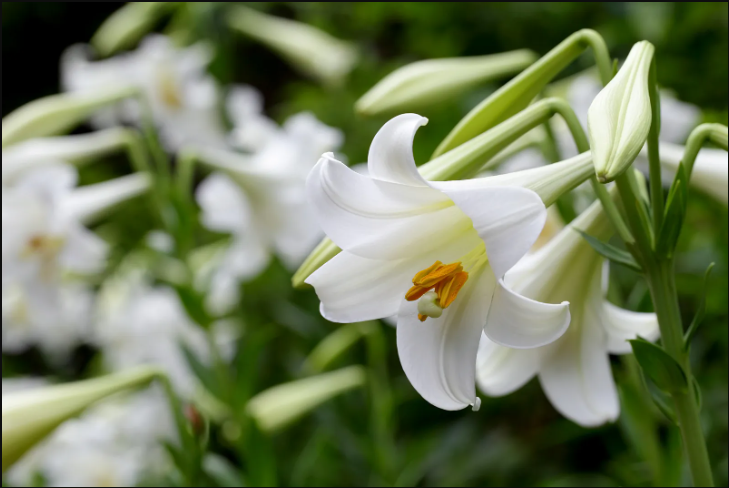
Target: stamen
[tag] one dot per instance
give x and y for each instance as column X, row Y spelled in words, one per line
column 446, row 281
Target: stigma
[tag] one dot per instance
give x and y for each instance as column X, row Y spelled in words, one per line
column 445, row 281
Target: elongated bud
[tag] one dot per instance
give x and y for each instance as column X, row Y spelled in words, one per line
column 277, row 407
column 57, row 114
column 127, row 25
column 435, row 80
column 337, row 343
column 28, row 417
column 90, row 202
column 74, row 149
column 620, row 116
column 309, row 49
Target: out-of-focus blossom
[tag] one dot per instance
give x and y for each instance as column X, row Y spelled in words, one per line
column 181, row 96
column 432, row 253
column 42, row 241
column 138, row 324
column 260, row 199
column 575, row 370
column 620, row 116
column 117, row 443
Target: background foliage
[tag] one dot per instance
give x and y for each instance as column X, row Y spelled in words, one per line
column 387, row 434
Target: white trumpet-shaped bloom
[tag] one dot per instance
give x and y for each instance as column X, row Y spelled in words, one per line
column 432, row 253
column 575, row 370
column 43, row 240
column 620, row 116
column 181, row 96
column 45, row 244
column 260, row 199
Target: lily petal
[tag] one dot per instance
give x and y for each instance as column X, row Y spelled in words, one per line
column 522, row 323
column 508, row 219
column 224, row 206
column 354, row 289
column 439, row 355
column 577, row 377
column 502, row 370
column 391, row 152
column 84, row 251
column 623, row 325
column 379, row 219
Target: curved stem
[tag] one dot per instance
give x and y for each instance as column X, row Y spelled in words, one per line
column 662, row 284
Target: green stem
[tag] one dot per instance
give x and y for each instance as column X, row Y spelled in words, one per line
column 661, row 281
column 656, row 184
column 516, row 95
column 713, row 132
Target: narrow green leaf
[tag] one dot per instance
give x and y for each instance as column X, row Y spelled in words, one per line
column 664, row 407
column 700, row 311
column 660, row 367
column 611, row 252
column 203, row 373
column 697, row 393
column 674, row 215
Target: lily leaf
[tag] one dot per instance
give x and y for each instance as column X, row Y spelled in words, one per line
column 700, row 311
column 611, row 252
column 674, row 215
column 660, row 367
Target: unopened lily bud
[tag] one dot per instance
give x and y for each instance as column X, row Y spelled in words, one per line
column 434, row 80
column 28, row 417
column 127, row 25
column 309, row 49
column 277, row 407
column 620, row 116
column 56, row 114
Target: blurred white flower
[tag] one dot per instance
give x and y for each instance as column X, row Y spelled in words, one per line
column 42, row 241
column 182, row 97
column 55, row 332
column 138, row 324
column 260, row 198
column 432, row 253
column 116, row 443
column 575, row 370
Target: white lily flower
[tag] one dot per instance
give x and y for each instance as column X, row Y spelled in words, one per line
column 431, row 253
column 44, row 241
column 261, row 200
column 139, row 324
column 181, row 95
column 620, row 116
column 574, row 370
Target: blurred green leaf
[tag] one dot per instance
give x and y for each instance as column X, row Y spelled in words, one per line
column 660, row 367
column 611, row 252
